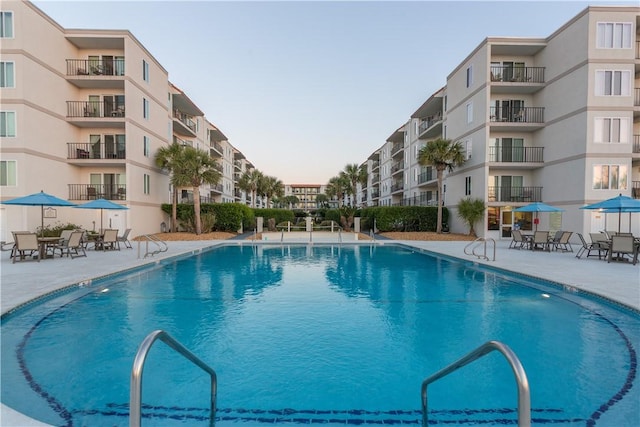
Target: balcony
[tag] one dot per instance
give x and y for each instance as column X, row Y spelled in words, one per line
column 375, row 165
column 183, row 123
column 426, row 176
column 92, row 73
column 237, row 194
column 85, row 153
column 182, row 142
column 515, row 194
column 97, row 191
column 218, row 167
column 218, row 188
column 522, row 156
column 375, row 194
column 516, row 119
column 397, row 186
column 397, row 167
column 375, row 178
column 636, row 144
column 635, row 189
column 509, row 79
column 215, row 150
column 96, row 113
column 396, row 148
column 636, row 97
column 431, row 127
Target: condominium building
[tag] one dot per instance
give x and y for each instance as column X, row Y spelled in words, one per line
column 82, row 114
column 553, row 119
column 306, row 194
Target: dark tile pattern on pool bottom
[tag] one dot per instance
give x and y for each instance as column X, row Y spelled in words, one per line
column 496, row 416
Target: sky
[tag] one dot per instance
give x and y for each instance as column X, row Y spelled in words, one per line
column 304, row 88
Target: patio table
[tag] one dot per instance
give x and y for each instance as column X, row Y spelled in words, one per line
column 45, row 243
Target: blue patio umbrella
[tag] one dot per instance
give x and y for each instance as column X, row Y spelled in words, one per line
column 41, row 199
column 101, row 204
column 617, row 204
column 537, row 207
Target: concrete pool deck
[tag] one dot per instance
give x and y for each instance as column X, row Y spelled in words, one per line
column 24, row 281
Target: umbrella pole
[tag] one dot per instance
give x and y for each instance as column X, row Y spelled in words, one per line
column 42, row 220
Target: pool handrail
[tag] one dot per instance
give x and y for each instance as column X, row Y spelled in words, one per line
column 524, row 394
column 161, row 245
column 135, row 394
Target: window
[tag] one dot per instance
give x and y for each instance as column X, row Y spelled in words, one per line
column 8, row 173
column 6, row 24
column 611, row 83
column 146, row 184
column 611, row 129
column 614, row 35
column 469, row 75
column 467, row 186
column 609, row 177
column 466, row 146
column 7, row 123
column 145, row 146
column 145, row 71
column 145, row 108
column 6, row 74
column 470, row 112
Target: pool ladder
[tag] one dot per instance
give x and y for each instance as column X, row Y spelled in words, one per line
column 481, row 241
column 160, row 245
column 135, row 396
column 524, row 395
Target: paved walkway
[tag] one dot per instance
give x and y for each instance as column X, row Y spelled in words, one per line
column 23, row 281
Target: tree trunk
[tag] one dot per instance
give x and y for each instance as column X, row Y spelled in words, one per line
column 440, row 200
column 196, row 209
column 174, row 211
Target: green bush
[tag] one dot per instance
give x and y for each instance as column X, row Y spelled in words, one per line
column 403, row 218
column 229, row 217
column 279, row 215
column 55, row 230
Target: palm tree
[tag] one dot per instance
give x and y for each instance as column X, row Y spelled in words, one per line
column 168, row 158
column 322, row 201
column 291, row 201
column 441, row 154
column 337, row 187
column 355, row 175
column 197, row 168
column 249, row 183
column 272, row 186
column 471, row 211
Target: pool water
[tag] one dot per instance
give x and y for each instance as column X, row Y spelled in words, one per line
column 321, row 334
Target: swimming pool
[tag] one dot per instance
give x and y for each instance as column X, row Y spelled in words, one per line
column 311, row 334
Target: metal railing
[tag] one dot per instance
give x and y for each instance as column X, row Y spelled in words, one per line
column 635, row 189
column 636, row 97
column 185, row 119
column 470, row 249
column 159, row 246
column 430, row 121
column 97, row 150
column 426, row 176
column 636, row 144
column 135, row 396
column 524, row 395
column 511, row 74
column 516, row 154
column 95, row 67
column 514, row 194
column 100, row 109
column 97, row 191
column 516, row 115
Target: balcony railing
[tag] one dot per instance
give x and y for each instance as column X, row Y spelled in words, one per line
column 426, row 176
column 216, row 147
column 397, row 166
column 635, row 189
column 93, row 67
column 502, row 73
column 515, row 194
column 517, row 115
column 185, row 119
column 97, row 191
column 182, row 142
column 638, row 50
column 375, row 194
column 375, row 164
column 218, row 167
column 421, row 200
column 636, row 97
column 516, row 154
column 375, row 178
column 429, row 122
column 237, row 194
column 636, row 144
column 397, row 186
column 97, row 150
column 397, row 146
column 94, row 109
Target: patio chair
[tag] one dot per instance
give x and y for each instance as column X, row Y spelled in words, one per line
column 563, row 243
column 518, row 240
column 125, row 238
column 556, row 238
column 64, row 235
column 588, row 247
column 26, row 245
column 72, row 246
column 540, row 241
column 110, row 240
column 621, row 246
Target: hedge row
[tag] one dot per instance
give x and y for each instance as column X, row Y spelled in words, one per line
column 402, row 218
column 229, row 217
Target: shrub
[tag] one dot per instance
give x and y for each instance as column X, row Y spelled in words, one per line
column 404, row 218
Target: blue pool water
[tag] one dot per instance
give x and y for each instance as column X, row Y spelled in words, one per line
column 321, row 334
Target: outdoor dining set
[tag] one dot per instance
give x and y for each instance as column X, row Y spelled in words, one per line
column 70, row 243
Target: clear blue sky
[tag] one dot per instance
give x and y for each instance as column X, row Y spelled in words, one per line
column 303, row 88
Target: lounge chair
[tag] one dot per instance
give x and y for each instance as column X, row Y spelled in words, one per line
column 540, row 241
column 588, row 247
column 555, row 239
column 518, row 240
column 73, row 246
column 621, row 246
column 110, row 240
column 563, row 243
column 125, row 238
column 26, row 245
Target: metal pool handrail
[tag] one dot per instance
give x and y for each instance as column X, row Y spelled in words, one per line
column 161, row 245
column 481, row 240
column 135, row 396
column 524, row 395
